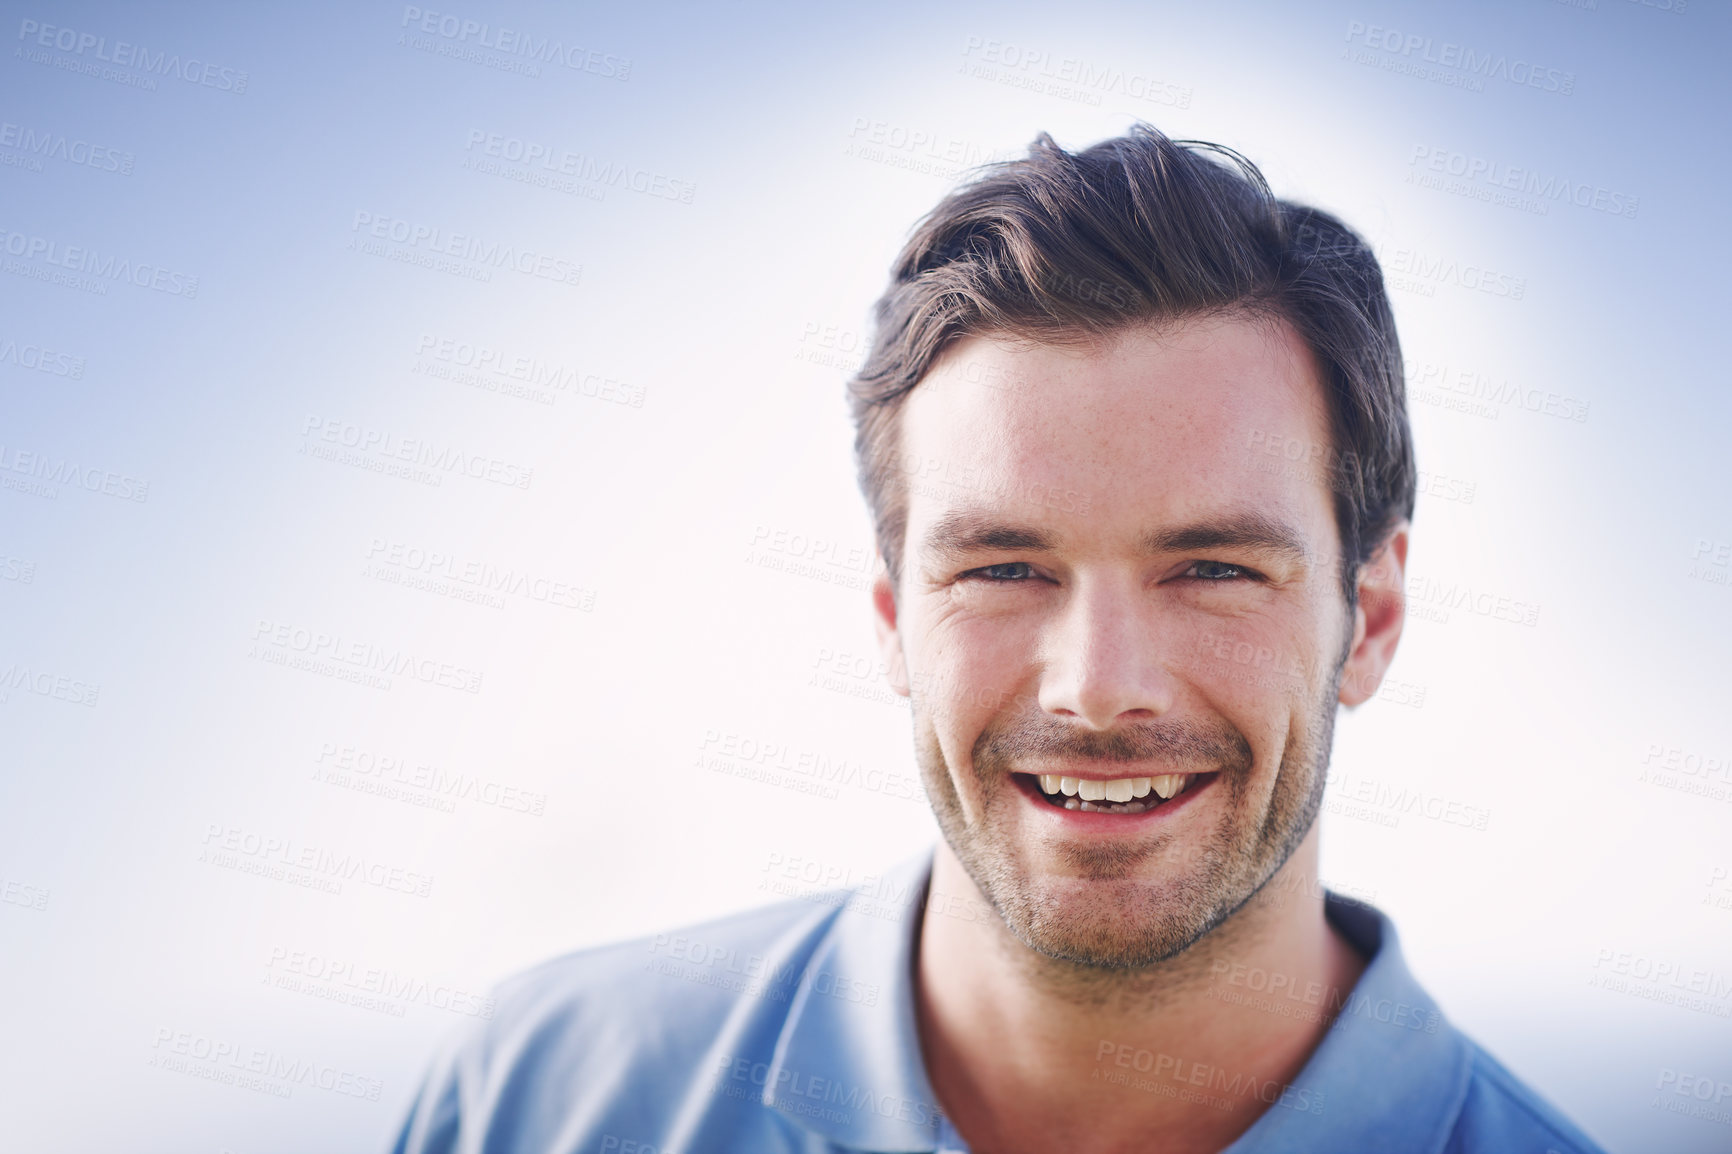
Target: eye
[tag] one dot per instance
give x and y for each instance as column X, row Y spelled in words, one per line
column 1004, row 573
column 1216, row 571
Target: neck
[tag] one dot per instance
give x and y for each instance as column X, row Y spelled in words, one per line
column 1028, row 1053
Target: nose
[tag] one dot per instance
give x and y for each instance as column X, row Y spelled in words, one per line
column 1102, row 662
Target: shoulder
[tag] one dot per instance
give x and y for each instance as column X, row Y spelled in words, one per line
column 685, row 977
column 629, row 1026
column 1501, row 1113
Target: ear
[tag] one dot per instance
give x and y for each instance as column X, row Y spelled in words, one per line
column 1377, row 619
column 889, row 640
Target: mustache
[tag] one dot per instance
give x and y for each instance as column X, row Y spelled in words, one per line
column 1177, row 744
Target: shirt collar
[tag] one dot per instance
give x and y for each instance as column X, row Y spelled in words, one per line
column 848, row 1063
column 1390, row 1075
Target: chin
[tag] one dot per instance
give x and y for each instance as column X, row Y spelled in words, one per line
column 1110, row 925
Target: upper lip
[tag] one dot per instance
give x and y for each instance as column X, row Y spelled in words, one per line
column 1090, row 775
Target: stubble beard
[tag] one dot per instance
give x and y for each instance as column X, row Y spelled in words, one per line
column 1130, row 920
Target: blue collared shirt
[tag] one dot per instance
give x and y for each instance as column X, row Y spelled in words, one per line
column 792, row 1028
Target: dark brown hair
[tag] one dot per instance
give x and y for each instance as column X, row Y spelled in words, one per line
column 1060, row 246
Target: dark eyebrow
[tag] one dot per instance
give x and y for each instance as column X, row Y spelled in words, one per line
column 968, row 530
column 1238, row 531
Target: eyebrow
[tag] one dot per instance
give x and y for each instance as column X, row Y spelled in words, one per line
column 969, row 530
column 1248, row 530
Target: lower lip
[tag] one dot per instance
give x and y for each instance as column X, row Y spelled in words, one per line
column 1082, row 820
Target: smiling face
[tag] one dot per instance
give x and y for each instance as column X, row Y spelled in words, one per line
column 1121, row 565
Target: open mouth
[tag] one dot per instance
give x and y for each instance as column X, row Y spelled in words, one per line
column 1122, row 795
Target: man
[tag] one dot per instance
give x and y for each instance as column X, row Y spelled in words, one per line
column 1134, row 437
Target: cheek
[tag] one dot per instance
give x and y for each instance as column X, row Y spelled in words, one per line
column 1262, row 675
column 961, row 641
column 967, row 671
column 1268, row 658
column 1237, row 664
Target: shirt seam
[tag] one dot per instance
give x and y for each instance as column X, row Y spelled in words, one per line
column 1512, row 1093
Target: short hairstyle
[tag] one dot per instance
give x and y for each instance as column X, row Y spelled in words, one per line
column 1061, row 247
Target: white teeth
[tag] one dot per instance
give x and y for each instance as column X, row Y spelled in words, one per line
column 1115, row 794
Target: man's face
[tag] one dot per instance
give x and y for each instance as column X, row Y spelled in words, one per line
column 1121, row 564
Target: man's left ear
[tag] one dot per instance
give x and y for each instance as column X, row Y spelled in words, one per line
column 884, row 616
column 1377, row 618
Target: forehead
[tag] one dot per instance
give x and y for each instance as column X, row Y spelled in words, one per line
column 1149, row 425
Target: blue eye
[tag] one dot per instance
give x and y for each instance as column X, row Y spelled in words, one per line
column 1007, row 572
column 1214, row 571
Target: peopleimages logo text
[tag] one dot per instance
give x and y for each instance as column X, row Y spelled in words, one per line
column 44, row 144
column 126, row 55
column 1495, row 174
column 1447, row 54
column 514, row 42
column 89, row 262
column 464, row 246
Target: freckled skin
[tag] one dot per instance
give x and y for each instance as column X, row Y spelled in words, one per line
column 1129, row 657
